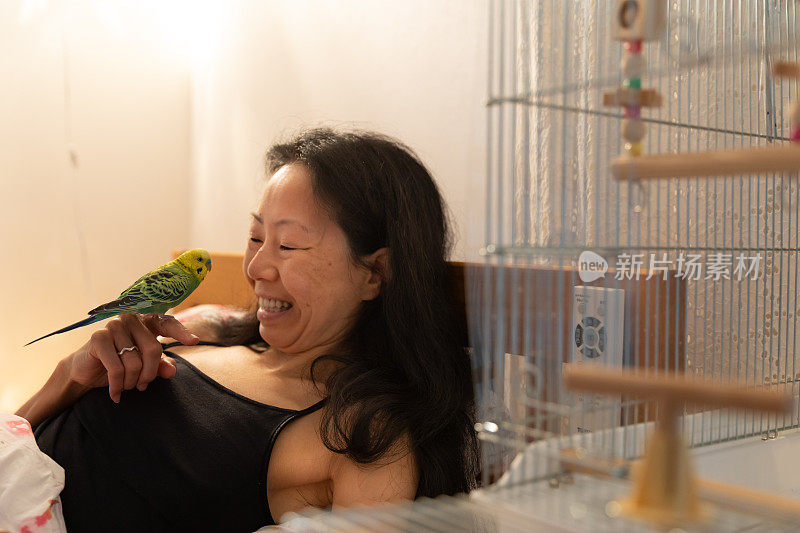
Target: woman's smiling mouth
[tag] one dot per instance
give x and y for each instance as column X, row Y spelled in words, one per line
column 270, row 307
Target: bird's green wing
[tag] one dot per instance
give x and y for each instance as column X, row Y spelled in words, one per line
column 156, row 290
column 135, row 283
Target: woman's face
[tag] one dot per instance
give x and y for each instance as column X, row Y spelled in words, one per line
column 309, row 291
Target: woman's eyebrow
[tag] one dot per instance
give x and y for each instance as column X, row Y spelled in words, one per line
column 285, row 221
column 282, row 222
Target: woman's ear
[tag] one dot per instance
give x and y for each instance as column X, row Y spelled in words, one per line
column 378, row 264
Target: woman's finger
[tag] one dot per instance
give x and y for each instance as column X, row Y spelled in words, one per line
column 103, row 349
column 168, row 326
column 166, row 367
column 133, row 367
column 149, row 349
column 131, row 359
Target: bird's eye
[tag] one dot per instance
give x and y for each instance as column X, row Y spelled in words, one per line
column 199, row 260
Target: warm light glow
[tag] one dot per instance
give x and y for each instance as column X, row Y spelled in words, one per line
column 30, row 9
column 193, row 28
column 189, row 30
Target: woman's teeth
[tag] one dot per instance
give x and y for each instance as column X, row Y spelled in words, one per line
column 273, row 306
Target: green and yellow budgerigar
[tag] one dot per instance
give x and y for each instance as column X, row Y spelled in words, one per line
column 155, row 292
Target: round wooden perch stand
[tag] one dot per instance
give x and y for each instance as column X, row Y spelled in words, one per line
column 665, row 490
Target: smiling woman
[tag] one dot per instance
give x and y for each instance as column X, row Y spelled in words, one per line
column 346, row 386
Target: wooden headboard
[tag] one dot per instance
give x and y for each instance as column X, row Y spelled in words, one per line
column 225, row 284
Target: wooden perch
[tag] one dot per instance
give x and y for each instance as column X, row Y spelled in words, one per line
column 679, row 387
column 786, row 69
column 665, row 490
column 756, row 161
column 732, row 496
column 633, row 97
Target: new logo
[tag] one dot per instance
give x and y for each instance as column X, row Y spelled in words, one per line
column 591, row 266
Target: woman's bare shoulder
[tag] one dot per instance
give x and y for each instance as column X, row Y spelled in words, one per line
column 391, row 479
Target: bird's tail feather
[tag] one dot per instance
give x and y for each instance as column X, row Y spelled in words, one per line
column 84, row 322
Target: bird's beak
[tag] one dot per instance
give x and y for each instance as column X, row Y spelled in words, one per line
column 208, row 264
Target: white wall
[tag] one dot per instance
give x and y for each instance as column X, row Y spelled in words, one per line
column 414, row 69
column 165, row 162
column 129, row 110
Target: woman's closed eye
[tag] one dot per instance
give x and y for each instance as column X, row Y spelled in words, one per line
column 283, row 247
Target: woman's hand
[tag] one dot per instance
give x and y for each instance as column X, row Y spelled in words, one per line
column 98, row 362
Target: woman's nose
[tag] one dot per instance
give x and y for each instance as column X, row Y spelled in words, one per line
column 262, row 267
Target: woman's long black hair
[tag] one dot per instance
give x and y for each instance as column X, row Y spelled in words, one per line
column 403, row 371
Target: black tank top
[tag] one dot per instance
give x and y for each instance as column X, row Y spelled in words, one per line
column 187, row 454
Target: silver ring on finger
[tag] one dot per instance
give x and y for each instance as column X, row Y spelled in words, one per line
column 128, row 349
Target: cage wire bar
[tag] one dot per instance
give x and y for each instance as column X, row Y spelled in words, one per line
column 550, row 197
column 579, row 506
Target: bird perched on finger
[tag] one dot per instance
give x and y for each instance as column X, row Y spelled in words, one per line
column 155, row 292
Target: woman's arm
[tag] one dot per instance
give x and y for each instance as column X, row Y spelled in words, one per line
column 204, row 320
column 390, row 480
column 56, row 395
column 99, row 363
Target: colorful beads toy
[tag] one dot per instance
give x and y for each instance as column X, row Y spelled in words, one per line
column 633, row 130
column 632, row 83
column 633, row 112
column 635, row 21
column 794, row 120
column 633, row 149
column 632, row 65
column 633, row 47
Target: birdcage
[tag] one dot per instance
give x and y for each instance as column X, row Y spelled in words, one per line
column 641, row 213
column 702, row 270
